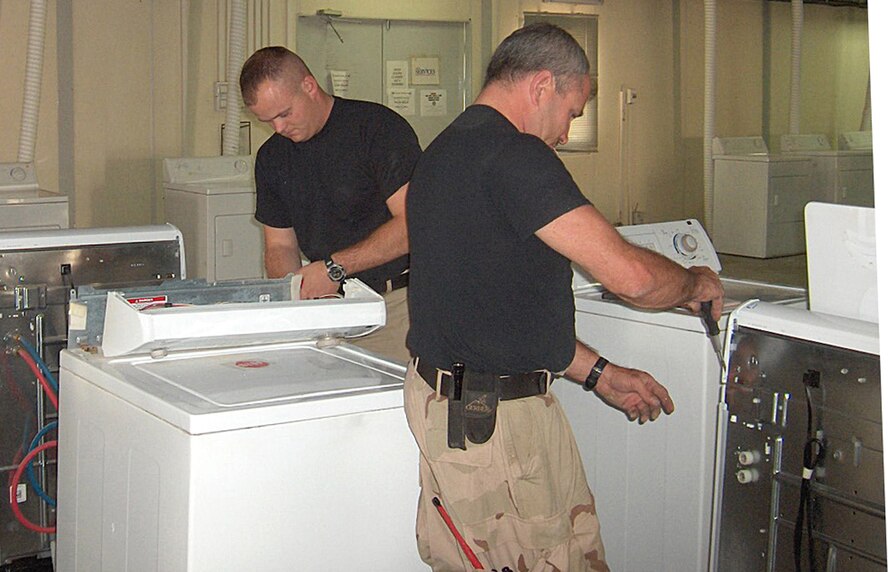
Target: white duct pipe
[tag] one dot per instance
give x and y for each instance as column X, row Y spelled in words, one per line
column 708, row 111
column 237, row 39
column 33, row 81
column 795, row 85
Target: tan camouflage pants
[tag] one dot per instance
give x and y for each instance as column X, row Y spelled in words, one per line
column 520, row 500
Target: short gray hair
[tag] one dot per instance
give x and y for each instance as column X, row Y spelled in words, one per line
column 537, row 47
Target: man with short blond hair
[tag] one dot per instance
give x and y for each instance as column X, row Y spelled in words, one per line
column 332, row 183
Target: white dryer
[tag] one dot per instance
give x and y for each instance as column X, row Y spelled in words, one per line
column 842, row 176
column 653, row 483
column 212, row 200
column 24, row 205
column 237, row 449
column 759, row 199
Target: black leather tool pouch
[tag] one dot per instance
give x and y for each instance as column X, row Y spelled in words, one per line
column 480, row 400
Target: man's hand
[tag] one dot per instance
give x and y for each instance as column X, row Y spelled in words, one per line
column 634, row 392
column 708, row 288
column 315, row 282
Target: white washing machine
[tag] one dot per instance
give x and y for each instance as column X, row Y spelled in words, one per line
column 839, row 176
column 212, row 200
column 24, row 205
column 759, row 199
column 233, row 449
column 653, row 483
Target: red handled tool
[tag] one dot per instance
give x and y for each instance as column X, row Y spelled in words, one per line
column 462, row 543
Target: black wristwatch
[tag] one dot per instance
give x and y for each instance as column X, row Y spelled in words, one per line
column 592, row 378
column 335, row 271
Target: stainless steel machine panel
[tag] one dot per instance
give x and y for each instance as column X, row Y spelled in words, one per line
column 35, row 282
column 784, row 396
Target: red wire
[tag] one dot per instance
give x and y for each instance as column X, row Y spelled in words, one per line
column 13, row 500
column 476, row 564
column 46, row 387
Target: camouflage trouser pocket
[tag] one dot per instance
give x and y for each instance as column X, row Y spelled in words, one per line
column 543, row 467
column 474, row 455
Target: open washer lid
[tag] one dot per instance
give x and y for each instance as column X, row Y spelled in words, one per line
column 237, row 388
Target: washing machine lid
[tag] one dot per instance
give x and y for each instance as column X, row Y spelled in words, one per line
column 236, row 388
column 596, row 300
column 841, row 260
column 69, row 237
column 803, row 324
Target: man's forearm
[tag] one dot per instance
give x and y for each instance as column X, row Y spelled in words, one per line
column 384, row 244
column 281, row 261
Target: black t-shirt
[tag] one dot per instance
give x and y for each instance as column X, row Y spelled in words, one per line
column 484, row 289
column 332, row 188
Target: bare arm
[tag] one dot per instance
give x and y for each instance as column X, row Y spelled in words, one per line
column 633, row 391
column 281, row 251
column 637, row 275
column 384, row 244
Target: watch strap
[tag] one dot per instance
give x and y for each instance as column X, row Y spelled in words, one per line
column 594, row 374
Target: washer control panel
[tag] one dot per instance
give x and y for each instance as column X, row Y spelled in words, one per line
column 683, row 241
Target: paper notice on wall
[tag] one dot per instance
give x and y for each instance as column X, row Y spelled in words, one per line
column 433, row 102
column 403, row 101
column 396, row 74
column 339, row 81
column 425, row 71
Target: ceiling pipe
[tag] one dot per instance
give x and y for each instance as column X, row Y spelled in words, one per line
column 795, row 83
column 33, row 81
column 237, row 39
column 709, row 7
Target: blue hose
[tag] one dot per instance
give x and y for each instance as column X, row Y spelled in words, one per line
column 40, row 363
column 30, row 468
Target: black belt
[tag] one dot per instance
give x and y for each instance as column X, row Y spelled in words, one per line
column 514, row 386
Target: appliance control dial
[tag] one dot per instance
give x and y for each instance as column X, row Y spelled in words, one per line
column 685, row 244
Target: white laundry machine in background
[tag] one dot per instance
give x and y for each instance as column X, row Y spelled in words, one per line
column 212, row 200
column 24, row 205
column 838, row 176
column 233, row 449
column 759, row 199
column 653, row 483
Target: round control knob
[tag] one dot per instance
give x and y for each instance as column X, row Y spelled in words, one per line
column 746, row 476
column 685, row 244
column 18, row 174
column 241, row 166
column 749, row 457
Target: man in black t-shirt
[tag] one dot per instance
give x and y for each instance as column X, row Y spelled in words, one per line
column 495, row 220
column 332, row 182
